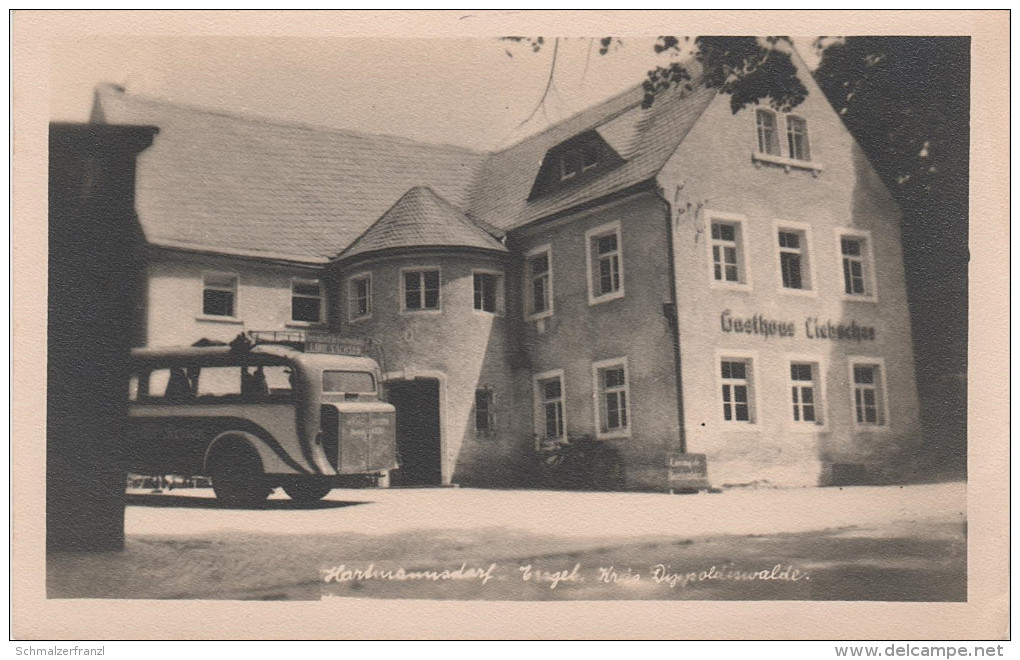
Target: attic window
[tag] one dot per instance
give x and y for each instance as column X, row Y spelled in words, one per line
column 577, row 161
column 574, row 161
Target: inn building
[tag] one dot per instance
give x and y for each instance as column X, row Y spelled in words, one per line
column 681, row 278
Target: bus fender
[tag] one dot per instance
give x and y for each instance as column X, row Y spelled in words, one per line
column 247, row 438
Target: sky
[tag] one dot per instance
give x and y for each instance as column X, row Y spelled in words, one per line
column 477, row 93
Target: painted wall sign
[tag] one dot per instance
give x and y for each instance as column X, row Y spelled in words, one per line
column 815, row 329
column 687, row 471
column 759, row 324
column 755, row 325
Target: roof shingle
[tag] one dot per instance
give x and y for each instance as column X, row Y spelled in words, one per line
column 422, row 218
column 224, row 183
column 233, row 184
column 645, row 138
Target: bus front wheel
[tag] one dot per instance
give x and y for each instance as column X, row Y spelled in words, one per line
column 307, row 491
column 237, row 475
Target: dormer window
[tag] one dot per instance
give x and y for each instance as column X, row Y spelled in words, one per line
column 571, row 162
column 577, row 161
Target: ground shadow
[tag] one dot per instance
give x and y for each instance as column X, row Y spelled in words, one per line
column 189, row 502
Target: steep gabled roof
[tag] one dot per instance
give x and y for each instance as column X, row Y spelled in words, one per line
column 421, row 218
column 644, row 138
column 238, row 185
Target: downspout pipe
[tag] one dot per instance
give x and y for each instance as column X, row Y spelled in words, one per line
column 671, row 311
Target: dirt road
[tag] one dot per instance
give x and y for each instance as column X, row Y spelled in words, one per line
column 866, row 543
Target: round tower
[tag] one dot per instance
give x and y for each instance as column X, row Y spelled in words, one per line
column 428, row 287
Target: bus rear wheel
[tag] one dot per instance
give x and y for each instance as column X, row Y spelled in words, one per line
column 307, row 491
column 237, row 476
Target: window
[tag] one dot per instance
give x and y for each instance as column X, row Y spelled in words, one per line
column 797, row 138
column 306, row 301
column 794, row 252
column 735, row 376
column 726, row 246
column 855, row 257
column 724, row 252
column 488, row 292
column 575, row 161
column 570, row 165
column 359, row 296
column 869, row 393
column 605, row 267
column 213, row 384
column 768, row 135
column 421, row 290
column 589, row 157
column 805, row 393
column 581, row 158
column 791, row 259
column 539, row 288
column 485, row 413
column 611, row 390
column 794, row 150
column 361, row 382
column 219, row 295
column 550, row 420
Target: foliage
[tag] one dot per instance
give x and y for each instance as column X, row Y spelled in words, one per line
column 906, row 100
column 749, row 69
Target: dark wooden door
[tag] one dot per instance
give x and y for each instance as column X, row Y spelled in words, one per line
column 418, row 435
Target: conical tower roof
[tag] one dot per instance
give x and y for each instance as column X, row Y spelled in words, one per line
column 421, row 218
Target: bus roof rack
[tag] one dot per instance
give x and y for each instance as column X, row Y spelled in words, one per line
column 309, row 341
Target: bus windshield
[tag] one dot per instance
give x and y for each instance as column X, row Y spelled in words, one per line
column 361, row 382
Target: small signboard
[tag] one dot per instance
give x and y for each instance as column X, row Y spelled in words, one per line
column 687, row 472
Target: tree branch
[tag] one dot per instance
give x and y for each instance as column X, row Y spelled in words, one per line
column 548, row 85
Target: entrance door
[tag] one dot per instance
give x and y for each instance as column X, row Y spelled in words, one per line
column 418, row 436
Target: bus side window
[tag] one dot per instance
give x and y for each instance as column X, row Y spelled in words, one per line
column 254, row 384
column 278, row 381
column 179, row 385
column 157, row 384
column 220, row 381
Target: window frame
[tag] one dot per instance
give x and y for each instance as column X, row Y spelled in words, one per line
column 783, row 156
column 743, row 244
column 738, row 355
column 598, row 393
column 500, row 291
column 491, row 412
column 882, row 398
column 587, row 149
column 789, row 134
column 807, row 252
column 819, row 367
column 352, row 296
column 233, row 317
column 529, row 291
column 589, row 238
column 540, row 401
column 761, row 112
column 403, row 290
column 870, row 294
column 294, row 281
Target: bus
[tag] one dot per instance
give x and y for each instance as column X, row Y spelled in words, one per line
column 255, row 416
